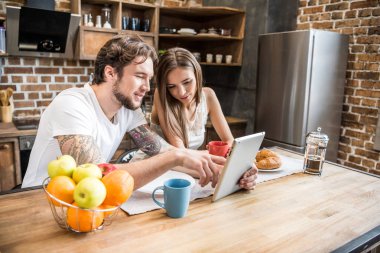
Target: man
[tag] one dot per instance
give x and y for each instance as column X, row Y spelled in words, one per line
column 89, row 123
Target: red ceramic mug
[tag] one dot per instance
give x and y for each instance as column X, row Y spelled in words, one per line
column 219, row 148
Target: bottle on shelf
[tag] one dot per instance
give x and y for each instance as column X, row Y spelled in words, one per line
column 98, row 21
column 90, row 22
column 2, row 40
column 106, row 11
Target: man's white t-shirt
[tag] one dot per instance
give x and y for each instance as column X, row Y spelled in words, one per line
column 76, row 111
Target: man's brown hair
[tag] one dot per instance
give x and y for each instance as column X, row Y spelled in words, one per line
column 119, row 52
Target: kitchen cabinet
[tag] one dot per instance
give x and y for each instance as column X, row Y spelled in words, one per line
column 10, row 173
column 14, row 154
column 198, row 18
column 91, row 39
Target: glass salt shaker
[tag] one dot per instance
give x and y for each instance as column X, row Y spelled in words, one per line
column 316, row 144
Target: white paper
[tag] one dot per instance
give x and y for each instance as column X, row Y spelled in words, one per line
column 141, row 200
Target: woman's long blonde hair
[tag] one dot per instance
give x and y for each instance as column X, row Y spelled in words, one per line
column 173, row 110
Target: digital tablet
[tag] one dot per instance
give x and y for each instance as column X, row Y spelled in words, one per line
column 240, row 159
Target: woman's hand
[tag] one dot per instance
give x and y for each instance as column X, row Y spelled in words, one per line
column 248, row 180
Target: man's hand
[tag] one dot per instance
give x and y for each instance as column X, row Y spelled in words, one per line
column 207, row 166
column 248, row 180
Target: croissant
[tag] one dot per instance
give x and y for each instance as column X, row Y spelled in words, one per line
column 267, row 160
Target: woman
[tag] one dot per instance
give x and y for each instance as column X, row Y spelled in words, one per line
column 182, row 105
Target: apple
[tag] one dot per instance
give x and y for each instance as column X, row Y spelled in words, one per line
column 86, row 170
column 62, row 166
column 106, row 168
column 90, row 193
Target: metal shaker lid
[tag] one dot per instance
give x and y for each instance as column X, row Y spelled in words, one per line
column 317, row 138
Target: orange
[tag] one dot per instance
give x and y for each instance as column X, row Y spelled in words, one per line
column 108, row 213
column 119, row 185
column 61, row 187
column 82, row 220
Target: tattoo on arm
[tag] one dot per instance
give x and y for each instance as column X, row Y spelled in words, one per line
column 148, row 141
column 82, row 147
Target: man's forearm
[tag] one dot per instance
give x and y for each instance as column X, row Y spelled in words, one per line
column 148, row 141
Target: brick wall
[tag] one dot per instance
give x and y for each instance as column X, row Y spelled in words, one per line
column 361, row 21
column 36, row 81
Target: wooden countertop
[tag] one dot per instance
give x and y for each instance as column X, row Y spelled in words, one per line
column 297, row 213
column 9, row 130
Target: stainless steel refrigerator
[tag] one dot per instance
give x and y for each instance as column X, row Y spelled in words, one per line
column 301, row 77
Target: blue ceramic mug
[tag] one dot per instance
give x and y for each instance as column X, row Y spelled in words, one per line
column 176, row 197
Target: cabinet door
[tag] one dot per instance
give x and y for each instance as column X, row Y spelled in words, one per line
column 10, row 174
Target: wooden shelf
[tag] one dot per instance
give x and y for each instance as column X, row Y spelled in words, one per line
column 206, row 11
column 143, row 34
column 224, row 47
column 220, row 64
column 107, row 30
column 138, row 5
column 199, row 37
column 91, row 38
column 96, row 29
column 198, row 18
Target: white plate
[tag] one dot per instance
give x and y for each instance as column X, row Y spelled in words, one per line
column 209, row 34
column 186, row 30
column 148, row 188
column 278, row 169
column 186, row 33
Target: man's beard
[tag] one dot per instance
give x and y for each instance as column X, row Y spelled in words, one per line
column 127, row 102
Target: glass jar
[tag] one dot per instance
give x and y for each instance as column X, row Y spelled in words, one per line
column 106, row 13
column 90, row 22
column 316, row 144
